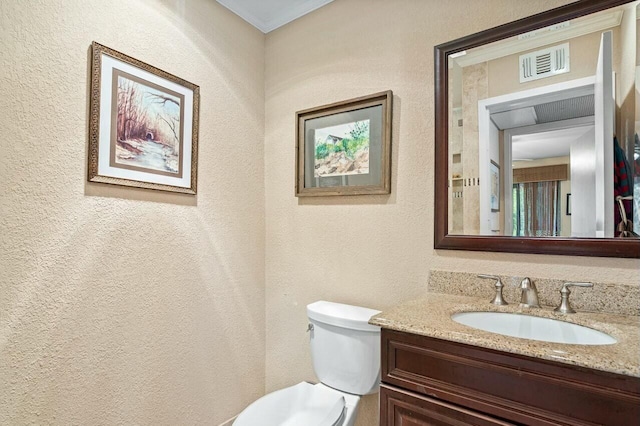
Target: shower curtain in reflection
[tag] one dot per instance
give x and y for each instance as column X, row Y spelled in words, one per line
column 536, row 209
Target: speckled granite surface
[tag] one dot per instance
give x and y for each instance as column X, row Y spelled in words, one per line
column 431, row 316
column 602, row 297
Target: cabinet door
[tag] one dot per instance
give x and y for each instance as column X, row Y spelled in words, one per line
column 399, row 407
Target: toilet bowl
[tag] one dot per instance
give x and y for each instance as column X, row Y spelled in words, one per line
column 302, row 404
column 345, row 350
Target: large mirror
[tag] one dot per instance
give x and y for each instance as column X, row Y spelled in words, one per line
column 537, row 126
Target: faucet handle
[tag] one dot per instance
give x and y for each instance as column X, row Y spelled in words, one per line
column 565, row 305
column 498, row 299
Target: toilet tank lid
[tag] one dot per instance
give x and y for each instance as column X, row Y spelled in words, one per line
column 341, row 315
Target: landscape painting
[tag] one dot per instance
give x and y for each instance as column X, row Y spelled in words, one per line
column 342, row 150
column 143, row 125
column 147, row 126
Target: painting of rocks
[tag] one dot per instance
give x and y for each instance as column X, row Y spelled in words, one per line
column 147, row 126
column 342, row 149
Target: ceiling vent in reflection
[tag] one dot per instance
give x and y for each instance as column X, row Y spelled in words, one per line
column 565, row 109
column 544, row 63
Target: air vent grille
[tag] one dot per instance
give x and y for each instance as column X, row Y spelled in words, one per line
column 544, row 63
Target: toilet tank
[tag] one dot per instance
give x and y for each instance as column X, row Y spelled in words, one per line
column 345, row 348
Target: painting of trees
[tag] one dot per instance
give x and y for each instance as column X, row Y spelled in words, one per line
column 147, row 126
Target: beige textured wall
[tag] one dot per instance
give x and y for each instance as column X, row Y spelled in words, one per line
column 371, row 250
column 124, row 306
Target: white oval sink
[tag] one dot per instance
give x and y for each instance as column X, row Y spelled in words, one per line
column 534, row 328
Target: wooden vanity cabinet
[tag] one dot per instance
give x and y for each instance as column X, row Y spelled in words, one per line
column 428, row 381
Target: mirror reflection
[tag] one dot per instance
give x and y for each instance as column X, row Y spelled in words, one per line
column 543, row 131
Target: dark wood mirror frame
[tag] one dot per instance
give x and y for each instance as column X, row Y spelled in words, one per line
column 602, row 247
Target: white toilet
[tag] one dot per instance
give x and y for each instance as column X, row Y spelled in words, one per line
column 345, row 350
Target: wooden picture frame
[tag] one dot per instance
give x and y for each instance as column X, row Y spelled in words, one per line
column 143, row 126
column 345, row 148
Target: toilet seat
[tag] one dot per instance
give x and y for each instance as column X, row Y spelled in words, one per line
column 301, row 404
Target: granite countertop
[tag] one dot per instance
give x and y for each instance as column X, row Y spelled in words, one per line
column 431, row 316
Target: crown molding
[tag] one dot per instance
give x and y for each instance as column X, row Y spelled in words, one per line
column 541, row 37
column 284, row 12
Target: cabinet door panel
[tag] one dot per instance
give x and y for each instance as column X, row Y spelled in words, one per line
column 399, row 407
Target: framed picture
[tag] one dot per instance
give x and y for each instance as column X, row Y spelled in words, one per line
column 345, row 148
column 494, row 175
column 569, row 204
column 143, row 127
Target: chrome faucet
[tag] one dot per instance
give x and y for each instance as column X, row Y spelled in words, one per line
column 529, row 297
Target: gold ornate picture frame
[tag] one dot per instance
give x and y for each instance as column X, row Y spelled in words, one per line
column 143, row 127
column 345, row 148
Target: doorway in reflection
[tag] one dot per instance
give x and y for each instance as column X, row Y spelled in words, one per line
column 545, row 147
column 541, row 163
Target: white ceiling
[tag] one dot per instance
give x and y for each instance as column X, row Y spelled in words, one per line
column 555, row 143
column 267, row 15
